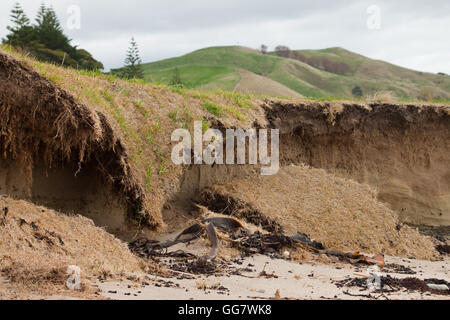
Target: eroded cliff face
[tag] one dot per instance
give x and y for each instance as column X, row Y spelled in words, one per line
column 56, row 151
column 402, row 150
column 47, row 135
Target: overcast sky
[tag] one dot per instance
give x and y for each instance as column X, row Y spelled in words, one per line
column 413, row 34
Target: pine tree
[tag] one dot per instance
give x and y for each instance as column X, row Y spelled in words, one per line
column 45, row 40
column 49, row 30
column 21, row 31
column 357, row 91
column 264, row 49
column 176, row 78
column 133, row 67
column 40, row 15
column 18, row 18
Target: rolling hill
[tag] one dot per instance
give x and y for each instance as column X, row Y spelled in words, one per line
column 332, row 72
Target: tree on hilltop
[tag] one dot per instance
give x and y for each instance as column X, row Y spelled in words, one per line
column 45, row 39
column 283, row 51
column 133, row 67
column 264, row 49
column 18, row 18
column 176, row 78
column 49, row 31
column 357, row 91
column 21, row 31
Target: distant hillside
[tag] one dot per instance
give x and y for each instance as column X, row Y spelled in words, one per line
column 331, row 72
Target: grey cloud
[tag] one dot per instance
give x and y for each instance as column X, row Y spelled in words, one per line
column 413, row 32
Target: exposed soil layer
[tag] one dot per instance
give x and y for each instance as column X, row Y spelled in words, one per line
column 56, row 151
column 402, row 150
column 59, row 188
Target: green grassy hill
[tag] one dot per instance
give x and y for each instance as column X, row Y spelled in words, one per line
column 332, row 72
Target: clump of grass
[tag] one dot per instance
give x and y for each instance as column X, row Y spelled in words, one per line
column 177, row 89
column 239, row 99
column 148, row 177
column 150, row 137
column 184, row 116
column 55, row 78
column 144, row 111
column 219, row 110
column 205, row 125
column 332, row 98
column 126, row 93
column 173, row 115
column 138, row 81
column 382, row 97
column 441, row 100
column 156, row 127
column 187, row 117
column 201, row 95
column 92, row 95
column 117, row 113
column 151, row 132
column 235, row 112
column 163, row 168
column 427, row 94
column 91, row 73
column 213, row 108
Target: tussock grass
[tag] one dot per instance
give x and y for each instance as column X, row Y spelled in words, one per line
column 382, row 97
column 213, row 108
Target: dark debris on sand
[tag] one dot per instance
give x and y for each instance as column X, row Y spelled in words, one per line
column 390, row 285
column 397, row 268
column 266, row 244
column 443, row 249
column 248, row 244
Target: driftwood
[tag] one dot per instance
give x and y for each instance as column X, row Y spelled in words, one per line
column 196, row 230
column 212, row 236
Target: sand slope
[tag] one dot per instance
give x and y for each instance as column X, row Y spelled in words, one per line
column 340, row 213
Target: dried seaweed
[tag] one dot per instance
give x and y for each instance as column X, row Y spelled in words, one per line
column 390, row 284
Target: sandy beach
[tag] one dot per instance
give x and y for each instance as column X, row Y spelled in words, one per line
column 291, row 280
